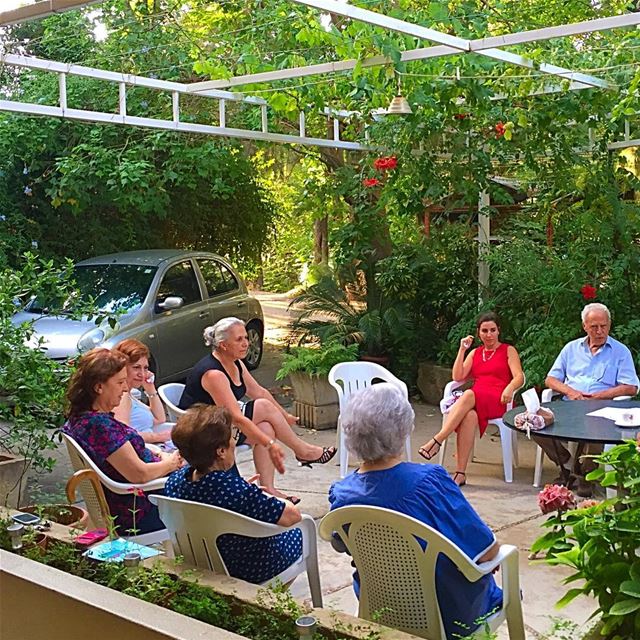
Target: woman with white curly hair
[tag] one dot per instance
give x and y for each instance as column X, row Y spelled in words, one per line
column 376, row 423
column 221, row 378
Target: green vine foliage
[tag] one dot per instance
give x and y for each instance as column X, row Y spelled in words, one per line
column 600, row 544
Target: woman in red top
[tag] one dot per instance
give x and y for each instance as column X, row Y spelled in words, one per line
column 497, row 374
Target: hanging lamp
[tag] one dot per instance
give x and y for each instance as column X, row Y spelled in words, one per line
column 399, row 105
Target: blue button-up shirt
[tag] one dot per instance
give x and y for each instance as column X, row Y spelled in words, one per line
column 608, row 367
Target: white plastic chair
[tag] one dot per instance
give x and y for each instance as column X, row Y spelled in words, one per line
column 194, row 528
column 398, row 577
column 508, row 437
column 170, row 394
column 547, row 395
column 79, row 461
column 347, row 378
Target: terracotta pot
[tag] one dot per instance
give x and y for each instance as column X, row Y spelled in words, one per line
column 66, row 514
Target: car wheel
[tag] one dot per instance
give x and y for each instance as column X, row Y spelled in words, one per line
column 254, row 354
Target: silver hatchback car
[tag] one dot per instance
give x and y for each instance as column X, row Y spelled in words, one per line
column 164, row 298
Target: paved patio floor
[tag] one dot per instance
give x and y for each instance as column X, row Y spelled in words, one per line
column 510, row 510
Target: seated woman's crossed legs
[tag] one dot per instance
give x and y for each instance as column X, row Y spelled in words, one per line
column 462, row 418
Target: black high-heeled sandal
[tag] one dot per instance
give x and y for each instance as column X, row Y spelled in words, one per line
column 460, row 473
column 293, row 499
column 431, row 452
column 327, row 454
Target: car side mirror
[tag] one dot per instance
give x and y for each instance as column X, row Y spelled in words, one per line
column 170, row 302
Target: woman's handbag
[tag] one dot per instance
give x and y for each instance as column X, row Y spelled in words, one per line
column 527, row 421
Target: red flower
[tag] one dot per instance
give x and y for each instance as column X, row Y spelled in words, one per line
column 500, row 129
column 589, row 292
column 136, row 491
column 461, row 116
column 556, row 498
column 371, row 182
column 385, row 163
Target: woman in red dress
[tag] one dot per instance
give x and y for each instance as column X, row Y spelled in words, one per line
column 497, row 374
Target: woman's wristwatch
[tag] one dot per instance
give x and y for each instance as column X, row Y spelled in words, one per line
column 151, row 395
column 269, row 444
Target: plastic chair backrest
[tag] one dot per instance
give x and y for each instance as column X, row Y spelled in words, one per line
column 348, row 377
column 397, row 577
column 88, row 492
column 170, row 394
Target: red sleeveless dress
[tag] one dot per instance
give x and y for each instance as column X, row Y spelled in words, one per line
column 490, row 377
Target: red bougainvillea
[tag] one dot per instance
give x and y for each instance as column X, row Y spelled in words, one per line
column 386, row 163
column 371, row 182
column 555, row 497
column 461, row 116
column 500, row 129
column 589, row 292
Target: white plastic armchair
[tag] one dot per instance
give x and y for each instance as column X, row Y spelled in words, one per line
column 398, row 576
column 170, row 394
column 508, row 437
column 347, row 378
column 95, row 506
column 547, row 395
column 195, row 527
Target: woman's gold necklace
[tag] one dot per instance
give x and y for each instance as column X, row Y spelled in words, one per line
column 486, row 358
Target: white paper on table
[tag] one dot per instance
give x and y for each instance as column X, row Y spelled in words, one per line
column 616, row 414
column 531, row 400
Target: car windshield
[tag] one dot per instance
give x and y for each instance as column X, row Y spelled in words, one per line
column 116, row 288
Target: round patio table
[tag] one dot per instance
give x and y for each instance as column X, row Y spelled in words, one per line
column 572, row 423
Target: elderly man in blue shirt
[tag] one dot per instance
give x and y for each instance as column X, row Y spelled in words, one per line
column 594, row 367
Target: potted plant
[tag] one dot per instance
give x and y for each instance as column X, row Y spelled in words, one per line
column 600, row 541
column 316, row 403
column 69, row 515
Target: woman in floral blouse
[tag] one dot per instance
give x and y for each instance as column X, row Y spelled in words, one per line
column 95, row 389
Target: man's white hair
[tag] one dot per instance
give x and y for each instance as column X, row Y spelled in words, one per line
column 594, row 306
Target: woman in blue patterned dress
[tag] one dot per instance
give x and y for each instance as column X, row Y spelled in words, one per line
column 376, row 423
column 204, row 437
column 95, row 389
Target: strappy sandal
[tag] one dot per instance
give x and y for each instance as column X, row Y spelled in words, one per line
column 293, row 499
column 460, row 473
column 327, row 454
column 431, row 452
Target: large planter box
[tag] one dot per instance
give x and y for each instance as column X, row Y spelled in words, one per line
column 40, row 601
column 316, row 401
column 13, row 475
column 432, row 379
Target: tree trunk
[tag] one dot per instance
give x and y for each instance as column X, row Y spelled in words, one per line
column 321, row 241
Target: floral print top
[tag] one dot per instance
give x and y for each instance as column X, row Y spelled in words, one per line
column 100, row 435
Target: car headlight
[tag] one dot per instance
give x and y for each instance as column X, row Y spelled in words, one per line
column 91, row 339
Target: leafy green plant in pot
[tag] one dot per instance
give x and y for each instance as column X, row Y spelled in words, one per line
column 600, row 542
column 316, row 403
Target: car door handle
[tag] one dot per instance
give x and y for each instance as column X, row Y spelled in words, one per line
column 203, row 314
column 242, row 304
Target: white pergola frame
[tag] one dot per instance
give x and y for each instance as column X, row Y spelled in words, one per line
column 446, row 45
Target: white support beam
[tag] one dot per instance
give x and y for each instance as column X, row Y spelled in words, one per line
column 42, row 9
column 561, row 31
column 393, row 24
column 112, row 76
column 62, row 90
column 484, row 46
column 30, row 108
column 624, row 144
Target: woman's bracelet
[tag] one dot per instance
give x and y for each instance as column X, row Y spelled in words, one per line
column 152, row 395
column 269, row 444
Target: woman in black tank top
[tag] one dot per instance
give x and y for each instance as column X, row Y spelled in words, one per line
column 221, row 378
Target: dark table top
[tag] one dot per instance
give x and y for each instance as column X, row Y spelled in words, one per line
column 572, row 423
